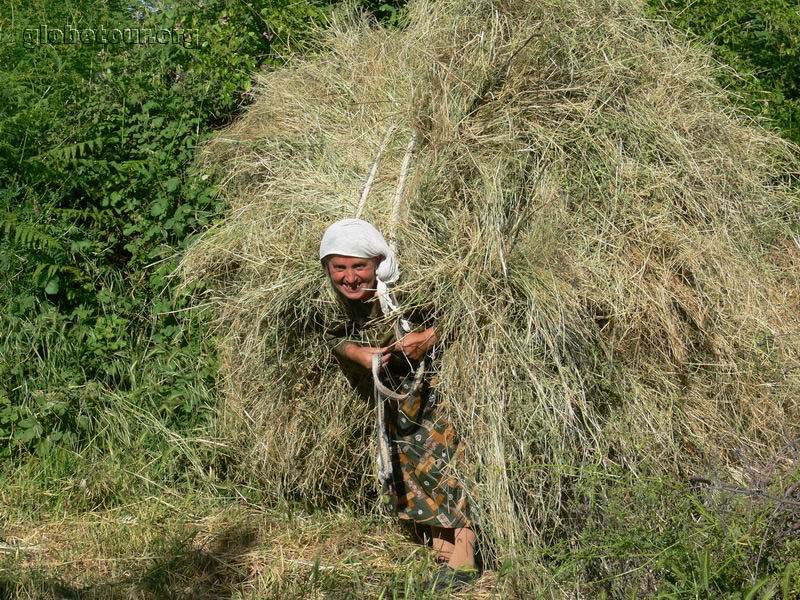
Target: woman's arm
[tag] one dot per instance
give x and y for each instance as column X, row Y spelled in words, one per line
column 416, row 344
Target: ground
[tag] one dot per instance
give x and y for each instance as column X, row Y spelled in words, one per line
column 162, row 548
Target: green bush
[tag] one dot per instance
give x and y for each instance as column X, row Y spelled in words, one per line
column 760, row 40
column 100, row 192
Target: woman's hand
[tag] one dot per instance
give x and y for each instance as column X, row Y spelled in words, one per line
column 362, row 355
column 415, row 345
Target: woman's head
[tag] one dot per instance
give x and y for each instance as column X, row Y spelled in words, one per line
column 353, row 277
column 356, row 257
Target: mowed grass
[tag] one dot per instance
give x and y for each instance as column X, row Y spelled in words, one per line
column 111, row 530
column 605, row 247
column 171, row 548
column 120, row 533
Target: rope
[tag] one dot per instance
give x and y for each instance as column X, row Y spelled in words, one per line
column 381, row 392
column 394, row 220
column 372, row 171
column 401, row 183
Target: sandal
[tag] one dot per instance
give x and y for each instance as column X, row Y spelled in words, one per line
column 447, row 578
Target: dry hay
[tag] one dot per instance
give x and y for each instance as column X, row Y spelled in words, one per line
column 606, row 245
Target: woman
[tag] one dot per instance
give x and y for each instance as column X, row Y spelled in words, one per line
column 421, row 443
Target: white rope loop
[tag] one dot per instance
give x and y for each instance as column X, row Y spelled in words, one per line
column 382, row 394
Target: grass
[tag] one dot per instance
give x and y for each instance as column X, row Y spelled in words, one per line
column 145, row 511
column 212, row 548
column 98, row 528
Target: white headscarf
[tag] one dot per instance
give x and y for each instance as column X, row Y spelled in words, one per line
column 356, row 237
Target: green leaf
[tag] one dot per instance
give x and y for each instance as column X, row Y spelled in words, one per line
column 158, row 208
column 52, row 286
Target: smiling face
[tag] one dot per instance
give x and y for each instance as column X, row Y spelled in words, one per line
column 353, row 277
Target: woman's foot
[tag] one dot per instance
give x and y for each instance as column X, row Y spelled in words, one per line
column 463, row 557
column 456, row 547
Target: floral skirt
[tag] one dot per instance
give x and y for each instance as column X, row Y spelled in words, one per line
column 425, row 452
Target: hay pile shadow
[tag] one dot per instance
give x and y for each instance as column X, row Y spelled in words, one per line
column 605, row 244
column 206, row 569
column 215, row 569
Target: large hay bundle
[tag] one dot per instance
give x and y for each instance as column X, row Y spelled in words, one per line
column 606, row 246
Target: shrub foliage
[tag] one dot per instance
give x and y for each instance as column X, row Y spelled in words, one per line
column 761, row 41
column 99, row 192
